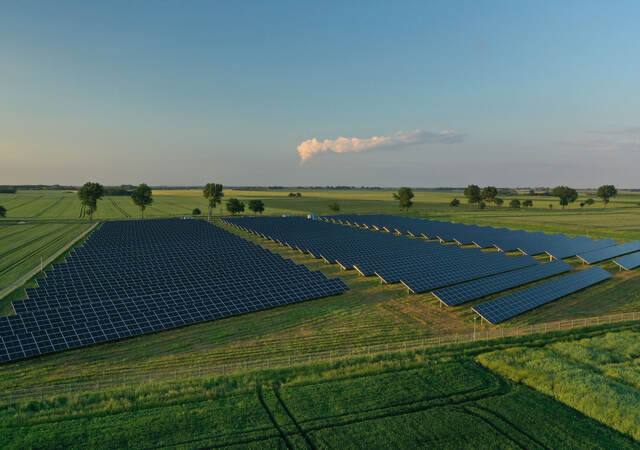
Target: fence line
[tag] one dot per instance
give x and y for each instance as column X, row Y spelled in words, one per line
column 172, row 374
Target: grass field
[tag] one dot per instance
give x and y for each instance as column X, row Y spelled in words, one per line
column 23, row 245
column 619, row 220
column 598, row 376
column 441, row 399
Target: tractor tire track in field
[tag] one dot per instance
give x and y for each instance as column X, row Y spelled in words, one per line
column 119, row 209
column 8, row 268
column 49, row 207
column 26, row 203
column 311, row 445
column 273, row 419
column 492, row 426
column 507, row 421
column 6, row 236
column 24, row 244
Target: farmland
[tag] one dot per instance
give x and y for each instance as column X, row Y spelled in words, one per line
column 618, row 220
column 598, row 376
column 440, row 398
column 474, row 389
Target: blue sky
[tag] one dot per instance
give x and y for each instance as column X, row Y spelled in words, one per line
column 536, row 93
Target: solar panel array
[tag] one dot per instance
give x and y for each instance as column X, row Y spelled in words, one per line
column 531, row 243
column 136, row 277
column 609, row 252
column 503, row 308
column 629, row 262
column 472, row 290
column 420, row 265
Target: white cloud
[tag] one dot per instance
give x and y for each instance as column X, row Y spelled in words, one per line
column 312, row 147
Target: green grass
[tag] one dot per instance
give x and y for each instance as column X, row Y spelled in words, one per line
column 22, row 245
column 598, row 376
column 618, row 220
column 427, row 399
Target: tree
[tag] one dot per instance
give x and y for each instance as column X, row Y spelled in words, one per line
column 141, row 196
column 581, row 204
column 489, row 194
column 565, row 194
column 404, row 196
column 213, row 193
column 605, row 192
column 498, row 201
column 515, row 203
column 257, row 206
column 482, row 205
column 235, row 206
column 589, row 201
column 298, row 194
column 473, row 194
column 196, row 212
column 89, row 194
column 334, row 206
column 3, row 211
column 527, row 203
column 292, row 195
column 455, row 202
column 550, row 206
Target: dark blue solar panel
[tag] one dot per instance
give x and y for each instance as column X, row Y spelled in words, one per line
column 609, row 252
column 557, row 245
column 628, row 262
column 464, row 292
column 135, row 277
column 419, row 264
column 503, row 308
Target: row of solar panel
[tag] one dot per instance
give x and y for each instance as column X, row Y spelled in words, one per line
column 178, row 272
column 524, row 270
column 419, row 264
column 558, row 246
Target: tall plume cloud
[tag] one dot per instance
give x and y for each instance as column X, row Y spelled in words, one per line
column 312, row 147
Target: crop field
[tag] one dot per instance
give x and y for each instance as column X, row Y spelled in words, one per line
column 619, row 220
column 598, row 376
column 444, row 399
column 23, row 245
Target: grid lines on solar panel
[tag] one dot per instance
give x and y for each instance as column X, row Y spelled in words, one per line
column 505, row 307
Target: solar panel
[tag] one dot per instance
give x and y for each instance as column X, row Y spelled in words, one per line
column 503, row 308
column 529, row 243
column 609, row 252
column 628, row 262
column 471, row 290
column 136, row 277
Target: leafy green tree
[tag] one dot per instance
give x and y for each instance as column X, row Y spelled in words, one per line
column 3, row 211
column 589, row 201
column 298, row 194
column 473, row 194
column 527, row 203
column 489, row 194
column 565, row 194
column 89, row 194
column 550, row 206
column 257, row 206
column 292, row 195
column 515, row 203
column 581, row 204
column 404, row 196
column 196, row 212
column 334, row 206
column 141, row 196
column 213, row 193
column 454, row 203
column 605, row 192
column 482, row 204
column 235, row 206
column 498, row 201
